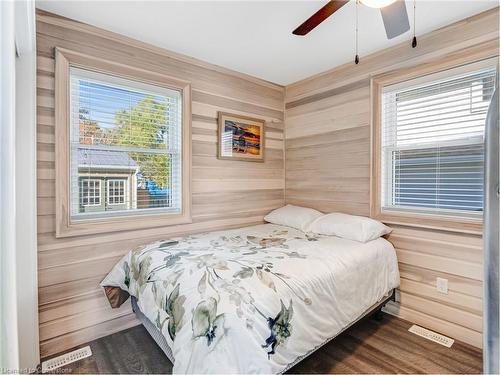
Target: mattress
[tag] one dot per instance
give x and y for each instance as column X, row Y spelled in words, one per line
column 158, row 337
column 255, row 299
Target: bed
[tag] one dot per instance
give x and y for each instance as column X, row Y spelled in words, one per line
column 251, row 300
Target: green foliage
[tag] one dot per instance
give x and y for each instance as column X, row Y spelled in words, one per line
column 144, row 126
column 154, row 167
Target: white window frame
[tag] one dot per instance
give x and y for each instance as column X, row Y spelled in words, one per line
column 437, row 220
column 99, row 195
column 92, row 224
column 174, row 142
column 108, row 194
column 388, row 172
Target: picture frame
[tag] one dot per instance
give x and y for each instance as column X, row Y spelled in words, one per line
column 240, row 138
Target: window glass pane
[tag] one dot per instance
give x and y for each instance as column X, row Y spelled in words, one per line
column 116, row 191
column 448, row 178
column 126, row 137
column 90, row 192
column 432, row 143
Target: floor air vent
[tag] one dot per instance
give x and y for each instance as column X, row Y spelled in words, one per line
column 431, row 335
column 65, row 359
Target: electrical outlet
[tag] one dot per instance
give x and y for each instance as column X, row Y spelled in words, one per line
column 442, row 285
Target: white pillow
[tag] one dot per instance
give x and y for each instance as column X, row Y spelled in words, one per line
column 357, row 228
column 293, row 216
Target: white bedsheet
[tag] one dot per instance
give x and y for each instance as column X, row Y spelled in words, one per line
column 253, row 300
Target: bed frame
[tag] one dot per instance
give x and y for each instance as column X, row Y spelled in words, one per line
column 162, row 341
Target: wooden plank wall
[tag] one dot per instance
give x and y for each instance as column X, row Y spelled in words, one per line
column 327, row 131
column 72, row 308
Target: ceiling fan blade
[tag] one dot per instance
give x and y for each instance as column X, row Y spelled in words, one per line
column 319, row 16
column 395, row 19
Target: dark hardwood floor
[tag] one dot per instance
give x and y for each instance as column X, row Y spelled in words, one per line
column 370, row 346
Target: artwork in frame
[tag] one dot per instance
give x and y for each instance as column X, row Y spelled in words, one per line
column 240, row 138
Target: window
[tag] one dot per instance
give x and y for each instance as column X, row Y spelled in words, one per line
column 90, row 192
column 116, row 192
column 432, row 142
column 129, row 128
column 128, row 134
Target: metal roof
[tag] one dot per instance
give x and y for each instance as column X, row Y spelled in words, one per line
column 105, row 158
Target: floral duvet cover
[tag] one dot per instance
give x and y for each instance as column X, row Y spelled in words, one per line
column 255, row 299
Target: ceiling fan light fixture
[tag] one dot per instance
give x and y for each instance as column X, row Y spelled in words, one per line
column 377, row 3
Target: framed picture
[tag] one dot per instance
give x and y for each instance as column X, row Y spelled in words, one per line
column 240, row 138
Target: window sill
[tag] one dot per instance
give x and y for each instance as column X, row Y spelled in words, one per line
column 124, row 223
column 432, row 221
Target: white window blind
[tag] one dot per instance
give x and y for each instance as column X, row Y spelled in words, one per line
column 432, row 141
column 125, row 142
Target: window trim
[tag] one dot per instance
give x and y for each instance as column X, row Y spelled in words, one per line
column 472, row 225
column 65, row 227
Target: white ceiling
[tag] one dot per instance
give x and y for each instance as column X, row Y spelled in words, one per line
column 255, row 37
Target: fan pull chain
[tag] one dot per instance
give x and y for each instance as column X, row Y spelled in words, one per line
column 414, row 41
column 356, row 59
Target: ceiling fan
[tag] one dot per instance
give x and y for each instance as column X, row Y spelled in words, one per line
column 393, row 12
